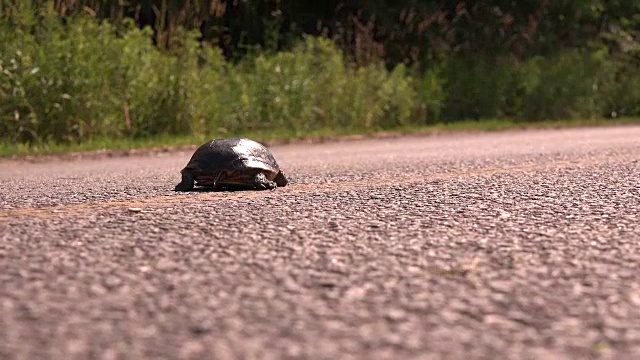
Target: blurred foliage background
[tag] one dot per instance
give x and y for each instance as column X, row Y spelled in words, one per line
column 76, row 70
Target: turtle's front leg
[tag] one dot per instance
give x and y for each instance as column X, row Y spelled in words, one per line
column 261, row 182
column 187, row 182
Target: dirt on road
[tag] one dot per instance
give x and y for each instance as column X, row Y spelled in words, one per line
column 518, row 245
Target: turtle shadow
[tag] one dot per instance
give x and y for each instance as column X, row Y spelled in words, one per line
column 225, row 189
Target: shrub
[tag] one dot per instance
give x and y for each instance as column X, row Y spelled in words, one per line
column 621, row 87
column 78, row 79
column 308, row 88
column 477, row 88
column 566, row 85
column 84, row 79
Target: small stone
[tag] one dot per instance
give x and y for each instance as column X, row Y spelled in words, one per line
column 395, row 314
column 135, row 209
column 166, row 265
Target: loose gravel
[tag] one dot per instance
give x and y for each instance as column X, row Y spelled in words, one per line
column 519, row 245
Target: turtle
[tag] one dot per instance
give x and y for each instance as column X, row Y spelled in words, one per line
column 232, row 163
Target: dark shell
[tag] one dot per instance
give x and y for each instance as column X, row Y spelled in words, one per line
column 232, row 155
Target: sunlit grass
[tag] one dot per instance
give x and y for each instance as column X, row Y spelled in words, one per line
column 85, row 85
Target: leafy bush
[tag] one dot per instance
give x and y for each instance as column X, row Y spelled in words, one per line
column 431, row 95
column 563, row 86
column 75, row 81
column 621, row 87
column 477, row 88
column 87, row 79
column 81, row 79
column 308, row 88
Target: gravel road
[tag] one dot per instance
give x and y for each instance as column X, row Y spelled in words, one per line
column 515, row 245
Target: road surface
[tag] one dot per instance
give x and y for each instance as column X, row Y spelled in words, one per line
column 516, row 245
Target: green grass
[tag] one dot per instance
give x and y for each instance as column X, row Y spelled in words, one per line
column 278, row 137
column 85, row 85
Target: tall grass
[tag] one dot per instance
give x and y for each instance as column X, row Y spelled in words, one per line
column 82, row 79
column 72, row 82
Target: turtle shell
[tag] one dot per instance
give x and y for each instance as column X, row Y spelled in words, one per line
column 232, row 161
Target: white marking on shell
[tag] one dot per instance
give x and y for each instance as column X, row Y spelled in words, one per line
column 244, row 149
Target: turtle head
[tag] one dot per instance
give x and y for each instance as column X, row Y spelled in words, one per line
column 281, row 179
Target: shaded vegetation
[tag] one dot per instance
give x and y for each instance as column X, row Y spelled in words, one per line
column 79, row 71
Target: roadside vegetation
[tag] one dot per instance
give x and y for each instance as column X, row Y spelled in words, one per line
column 86, row 79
